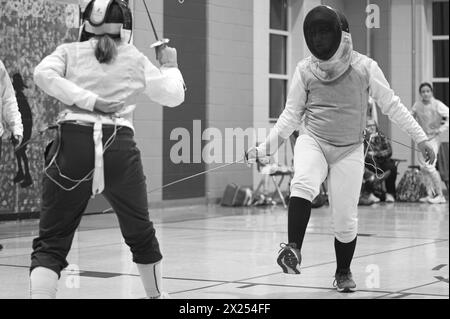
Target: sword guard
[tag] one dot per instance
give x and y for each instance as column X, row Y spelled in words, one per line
column 159, row 43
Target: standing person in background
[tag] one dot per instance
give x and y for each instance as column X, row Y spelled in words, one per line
column 432, row 116
column 98, row 79
column 9, row 111
column 24, row 178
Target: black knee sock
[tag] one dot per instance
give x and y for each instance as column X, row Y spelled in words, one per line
column 298, row 218
column 344, row 254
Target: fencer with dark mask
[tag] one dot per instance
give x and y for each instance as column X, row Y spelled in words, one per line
column 98, row 79
column 329, row 93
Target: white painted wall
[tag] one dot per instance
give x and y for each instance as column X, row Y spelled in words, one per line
column 230, row 85
column 148, row 116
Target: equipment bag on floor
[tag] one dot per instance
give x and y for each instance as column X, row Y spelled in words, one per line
column 412, row 186
column 235, row 196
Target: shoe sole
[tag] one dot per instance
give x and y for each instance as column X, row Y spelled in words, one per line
column 346, row 290
column 286, row 269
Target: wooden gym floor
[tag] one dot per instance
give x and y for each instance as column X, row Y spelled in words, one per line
column 214, row 252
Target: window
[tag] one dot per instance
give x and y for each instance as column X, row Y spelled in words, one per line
column 278, row 60
column 440, row 50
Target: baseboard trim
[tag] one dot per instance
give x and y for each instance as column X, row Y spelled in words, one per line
column 4, row 217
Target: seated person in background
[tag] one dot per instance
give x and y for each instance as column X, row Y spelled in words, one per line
column 378, row 160
column 367, row 198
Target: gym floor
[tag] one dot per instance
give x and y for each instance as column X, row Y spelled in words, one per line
column 214, row 252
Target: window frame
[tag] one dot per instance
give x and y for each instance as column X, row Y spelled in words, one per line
column 433, row 39
column 273, row 76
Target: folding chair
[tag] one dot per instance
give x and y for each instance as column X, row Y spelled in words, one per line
column 275, row 171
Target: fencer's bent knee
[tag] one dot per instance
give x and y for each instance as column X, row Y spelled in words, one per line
column 345, row 229
column 304, row 190
column 347, row 236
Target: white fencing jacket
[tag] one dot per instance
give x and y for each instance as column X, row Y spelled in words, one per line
column 9, row 110
column 73, row 75
column 331, row 98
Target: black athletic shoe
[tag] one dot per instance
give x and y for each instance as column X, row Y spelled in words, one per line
column 344, row 282
column 289, row 258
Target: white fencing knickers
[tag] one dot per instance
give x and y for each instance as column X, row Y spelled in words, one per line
column 344, row 183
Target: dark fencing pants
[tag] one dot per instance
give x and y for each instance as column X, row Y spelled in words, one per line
column 125, row 190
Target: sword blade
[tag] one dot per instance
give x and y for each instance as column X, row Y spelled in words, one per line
column 151, row 21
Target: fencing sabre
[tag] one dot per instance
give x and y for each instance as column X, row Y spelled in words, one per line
column 196, row 175
column 159, row 42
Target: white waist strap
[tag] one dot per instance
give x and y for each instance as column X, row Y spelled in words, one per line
column 91, row 118
column 98, row 181
column 120, row 118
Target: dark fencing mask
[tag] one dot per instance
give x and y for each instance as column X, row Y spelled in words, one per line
column 322, row 29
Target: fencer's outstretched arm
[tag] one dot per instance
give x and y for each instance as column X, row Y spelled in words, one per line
column 49, row 75
column 164, row 85
column 390, row 104
column 8, row 105
column 290, row 118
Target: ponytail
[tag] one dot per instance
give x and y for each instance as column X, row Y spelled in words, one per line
column 106, row 49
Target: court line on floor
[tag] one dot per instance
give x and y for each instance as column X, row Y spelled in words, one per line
column 82, row 228
column 308, row 233
column 91, row 228
column 246, row 282
column 311, row 266
column 420, row 286
column 161, row 223
column 87, row 247
column 413, row 293
column 362, row 256
column 120, row 243
column 316, row 265
column 306, row 267
column 239, row 230
column 287, row 286
column 334, row 289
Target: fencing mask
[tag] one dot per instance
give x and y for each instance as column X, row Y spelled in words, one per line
column 323, row 27
column 111, row 17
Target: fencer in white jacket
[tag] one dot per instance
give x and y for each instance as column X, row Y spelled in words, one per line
column 9, row 110
column 329, row 93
